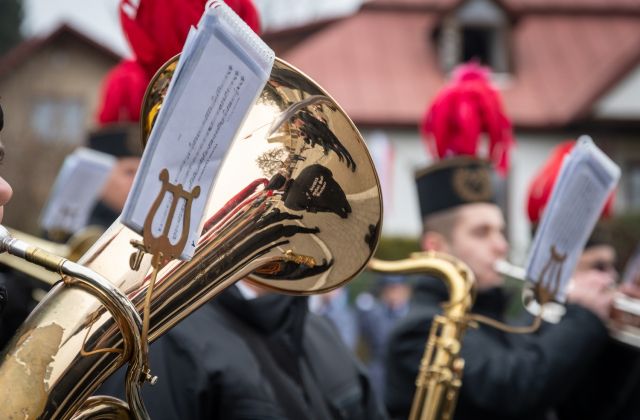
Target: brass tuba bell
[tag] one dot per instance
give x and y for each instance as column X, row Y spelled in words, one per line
column 296, row 206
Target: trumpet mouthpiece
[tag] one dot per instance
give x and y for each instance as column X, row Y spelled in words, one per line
column 4, row 233
column 5, row 236
column 507, row 269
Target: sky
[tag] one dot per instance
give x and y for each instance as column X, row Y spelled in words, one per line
column 99, row 18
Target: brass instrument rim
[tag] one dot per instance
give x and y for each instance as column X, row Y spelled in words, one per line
column 145, row 132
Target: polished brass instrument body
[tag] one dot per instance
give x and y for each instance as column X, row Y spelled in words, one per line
column 272, row 216
column 440, row 373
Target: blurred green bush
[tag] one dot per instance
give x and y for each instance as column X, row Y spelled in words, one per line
column 389, row 248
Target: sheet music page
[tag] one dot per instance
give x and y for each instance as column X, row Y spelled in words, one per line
column 586, row 179
column 76, row 190
column 223, row 68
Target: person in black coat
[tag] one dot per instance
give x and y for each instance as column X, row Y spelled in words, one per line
column 121, row 141
column 609, row 389
column 3, row 288
column 255, row 356
column 505, row 376
column 5, row 196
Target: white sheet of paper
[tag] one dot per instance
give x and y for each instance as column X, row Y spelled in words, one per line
column 586, row 179
column 76, row 190
column 223, row 69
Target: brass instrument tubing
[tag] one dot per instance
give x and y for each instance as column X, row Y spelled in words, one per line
column 110, row 296
column 157, row 265
column 527, row 329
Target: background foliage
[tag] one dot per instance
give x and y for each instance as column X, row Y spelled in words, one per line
column 11, row 15
column 389, row 248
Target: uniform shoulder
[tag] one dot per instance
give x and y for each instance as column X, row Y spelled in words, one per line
column 417, row 322
column 207, row 331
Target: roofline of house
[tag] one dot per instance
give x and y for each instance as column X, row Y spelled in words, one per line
column 302, row 29
column 404, row 7
column 608, row 126
column 586, row 125
column 24, row 49
column 624, row 70
column 413, row 125
column 599, row 11
column 513, row 11
column 373, row 124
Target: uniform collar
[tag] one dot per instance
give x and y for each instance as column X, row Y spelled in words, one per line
column 491, row 302
column 268, row 314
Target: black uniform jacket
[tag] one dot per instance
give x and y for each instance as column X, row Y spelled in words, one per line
column 506, row 376
column 266, row 358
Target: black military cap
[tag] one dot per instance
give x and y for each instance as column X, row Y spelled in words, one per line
column 454, row 181
column 119, row 140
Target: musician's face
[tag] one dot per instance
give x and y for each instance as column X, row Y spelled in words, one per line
column 478, row 239
column 601, row 258
column 116, row 189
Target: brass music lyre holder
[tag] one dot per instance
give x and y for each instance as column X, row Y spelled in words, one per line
column 160, row 247
column 554, row 268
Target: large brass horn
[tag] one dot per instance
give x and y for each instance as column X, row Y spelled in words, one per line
column 297, row 206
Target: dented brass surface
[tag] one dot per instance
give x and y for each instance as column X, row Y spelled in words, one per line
column 27, row 369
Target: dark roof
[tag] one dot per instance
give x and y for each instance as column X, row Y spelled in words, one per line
column 283, row 40
column 381, row 66
column 22, row 51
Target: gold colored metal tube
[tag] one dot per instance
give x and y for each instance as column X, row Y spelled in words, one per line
column 440, row 371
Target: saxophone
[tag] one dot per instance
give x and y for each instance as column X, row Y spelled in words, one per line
column 297, row 181
column 440, row 372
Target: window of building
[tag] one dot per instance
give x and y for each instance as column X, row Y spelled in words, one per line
column 58, row 120
column 477, row 44
column 477, row 30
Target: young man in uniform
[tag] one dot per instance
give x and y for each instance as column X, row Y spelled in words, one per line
column 608, row 389
column 505, row 376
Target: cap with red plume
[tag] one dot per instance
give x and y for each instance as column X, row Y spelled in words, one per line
column 119, row 111
column 461, row 112
column 122, row 92
column 542, row 185
column 157, row 29
column 452, row 127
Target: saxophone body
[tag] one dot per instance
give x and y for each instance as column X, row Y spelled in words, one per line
column 440, row 372
column 296, row 183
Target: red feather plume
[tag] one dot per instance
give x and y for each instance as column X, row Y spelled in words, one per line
column 463, row 110
column 543, row 182
column 156, row 30
column 122, row 92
